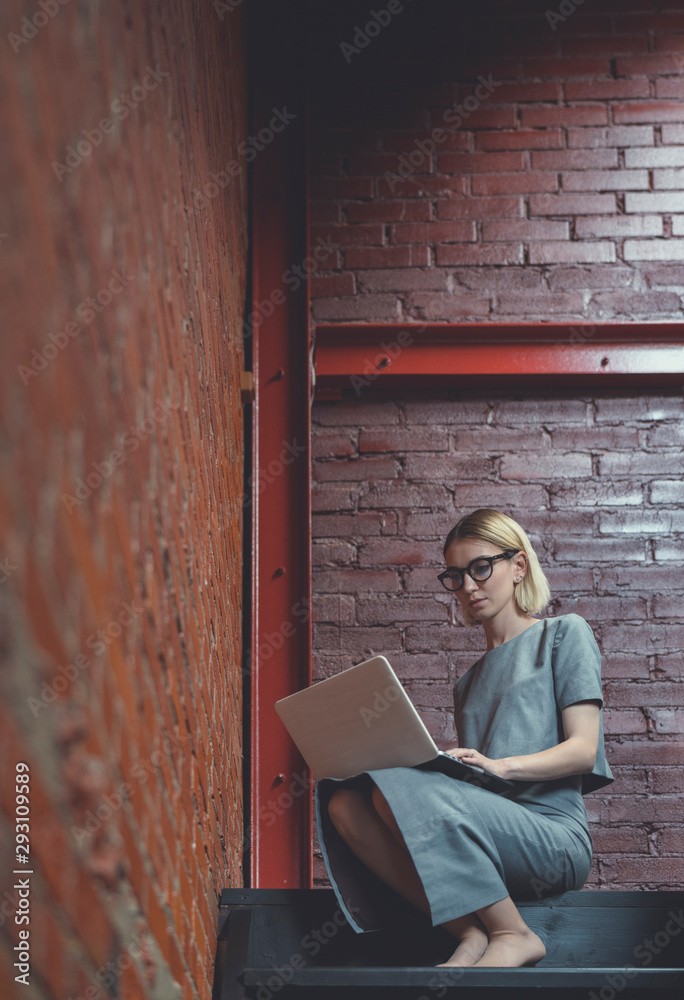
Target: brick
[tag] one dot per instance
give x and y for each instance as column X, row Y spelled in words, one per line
column 549, row 466
column 631, row 303
column 672, row 249
column 524, row 230
column 596, row 138
column 574, row 252
column 644, row 408
column 645, row 65
column 352, row 525
column 385, row 611
column 448, row 307
column 356, row 412
column 387, row 257
column 326, row 445
column 388, row 211
column 480, row 208
column 466, row 163
column 433, row 232
column 563, row 278
column 421, row 186
column 519, row 93
column 403, row 280
column 332, row 284
column 672, row 134
column 477, row 256
column 606, row 180
column 326, row 499
column 345, row 236
column 528, row 304
column 647, row 113
column 662, row 157
column 403, row 439
column 575, row 159
column 643, row 22
column 561, row 117
column 609, row 46
column 521, row 183
column 669, row 86
column 490, row 279
column 403, row 495
column 671, row 201
column 378, row 307
column 619, row 225
column 666, row 491
column 561, row 68
column 640, row 463
column 664, row 275
column 571, row 204
column 388, row 552
column 521, row 139
column 669, row 180
column 355, row 469
column 355, row 581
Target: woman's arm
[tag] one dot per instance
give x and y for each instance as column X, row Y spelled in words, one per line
column 576, row 755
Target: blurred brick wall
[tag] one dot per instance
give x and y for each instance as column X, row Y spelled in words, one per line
column 557, row 193
column 121, row 464
column 556, row 199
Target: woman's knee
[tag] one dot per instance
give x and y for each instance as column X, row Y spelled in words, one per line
column 344, row 807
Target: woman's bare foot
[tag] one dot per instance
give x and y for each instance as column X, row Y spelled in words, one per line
column 471, row 946
column 511, row 949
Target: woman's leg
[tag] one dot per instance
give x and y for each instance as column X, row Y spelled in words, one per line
column 366, row 824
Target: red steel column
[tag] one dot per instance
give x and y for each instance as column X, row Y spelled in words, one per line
column 280, row 786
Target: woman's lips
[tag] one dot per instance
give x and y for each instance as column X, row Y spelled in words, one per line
column 475, row 604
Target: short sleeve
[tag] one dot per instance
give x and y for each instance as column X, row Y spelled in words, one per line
column 576, row 663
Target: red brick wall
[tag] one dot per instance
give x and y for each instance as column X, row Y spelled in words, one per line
column 121, row 457
column 556, row 199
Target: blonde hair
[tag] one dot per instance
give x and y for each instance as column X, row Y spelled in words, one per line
column 486, row 524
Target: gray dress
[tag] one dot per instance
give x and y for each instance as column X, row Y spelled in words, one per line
column 472, row 847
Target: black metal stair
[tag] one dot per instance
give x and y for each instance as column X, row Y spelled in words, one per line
column 295, row 943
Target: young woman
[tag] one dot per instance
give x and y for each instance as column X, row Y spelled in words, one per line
column 528, row 710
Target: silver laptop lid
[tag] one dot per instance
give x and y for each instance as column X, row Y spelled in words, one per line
column 358, row 720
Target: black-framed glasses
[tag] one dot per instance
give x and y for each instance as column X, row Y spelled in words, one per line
column 478, row 569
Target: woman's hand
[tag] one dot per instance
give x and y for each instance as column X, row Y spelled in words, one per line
column 471, row 756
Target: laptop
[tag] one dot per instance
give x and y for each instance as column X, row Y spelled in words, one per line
column 362, row 719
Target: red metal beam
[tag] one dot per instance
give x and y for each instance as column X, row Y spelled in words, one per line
column 280, row 788
column 361, row 355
